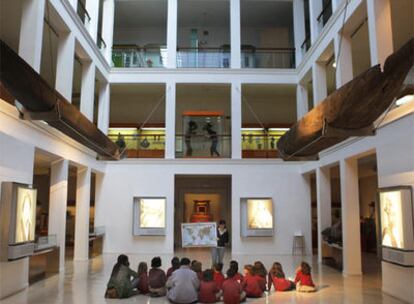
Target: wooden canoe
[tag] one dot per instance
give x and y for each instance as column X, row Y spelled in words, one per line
column 350, row 110
column 39, row 101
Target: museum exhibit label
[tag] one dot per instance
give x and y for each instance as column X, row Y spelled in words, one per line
column 18, row 220
column 149, row 216
column 396, row 223
column 257, row 218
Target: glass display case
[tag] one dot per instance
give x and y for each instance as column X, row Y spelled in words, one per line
column 396, row 224
column 257, row 218
column 204, row 135
column 149, row 216
column 261, row 142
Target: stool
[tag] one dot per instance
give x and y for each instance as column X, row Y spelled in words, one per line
column 298, row 244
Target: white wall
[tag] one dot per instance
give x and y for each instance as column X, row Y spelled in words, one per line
column 126, row 179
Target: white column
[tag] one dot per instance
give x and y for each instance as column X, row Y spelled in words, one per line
column 87, row 96
column 344, row 72
column 302, row 103
column 59, row 174
column 323, row 198
column 335, row 5
column 315, row 8
column 83, row 189
column 172, row 34
column 74, row 4
column 108, row 14
column 351, row 239
column 320, row 90
column 170, row 107
column 235, row 35
column 64, row 64
column 379, row 30
column 299, row 28
column 104, row 107
column 236, row 120
column 31, row 32
column 92, row 6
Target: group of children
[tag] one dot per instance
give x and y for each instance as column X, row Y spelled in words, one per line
column 211, row 285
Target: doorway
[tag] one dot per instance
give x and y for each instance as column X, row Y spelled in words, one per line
column 201, row 198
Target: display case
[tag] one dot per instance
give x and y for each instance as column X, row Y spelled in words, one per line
column 396, row 224
column 204, row 135
column 18, row 220
column 257, row 218
column 149, row 216
column 261, row 142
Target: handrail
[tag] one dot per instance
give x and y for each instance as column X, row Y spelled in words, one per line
column 221, row 48
column 307, row 38
column 101, row 41
column 135, row 47
column 324, row 9
column 83, row 8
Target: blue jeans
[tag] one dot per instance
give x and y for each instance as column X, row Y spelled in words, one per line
column 217, row 254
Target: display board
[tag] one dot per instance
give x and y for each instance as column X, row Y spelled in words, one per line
column 397, row 225
column 25, row 215
column 257, row 217
column 199, row 234
column 149, row 216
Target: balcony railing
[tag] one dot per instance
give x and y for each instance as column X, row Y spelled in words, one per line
column 100, row 42
column 140, row 146
column 83, row 13
column 188, row 57
column 260, row 145
column 130, row 56
column 273, row 58
column 202, row 146
column 325, row 14
column 306, row 44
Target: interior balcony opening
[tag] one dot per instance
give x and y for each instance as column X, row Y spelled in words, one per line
column 306, row 44
column 10, row 22
column 267, row 35
column 268, row 111
column 77, row 82
column 203, row 36
column 361, row 60
column 203, row 124
column 137, row 119
column 325, row 13
column 402, row 22
column 140, row 34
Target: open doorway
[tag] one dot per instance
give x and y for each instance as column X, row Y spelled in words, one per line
column 213, row 191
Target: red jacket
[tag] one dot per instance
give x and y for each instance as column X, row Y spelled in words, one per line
column 254, row 286
column 238, row 277
column 143, row 283
column 218, row 278
column 170, row 271
column 208, row 291
column 304, row 279
column 231, row 291
column 280, row 284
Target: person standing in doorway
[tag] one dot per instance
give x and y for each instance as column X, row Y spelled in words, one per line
column 217, row 253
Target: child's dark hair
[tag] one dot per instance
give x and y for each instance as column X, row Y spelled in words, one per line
column 277, row 270
column 175, row 263
column 208, row 275
column 142, row 268
column 305, row 268
column 156, row 262
column 231, row 272
column 185, row 261
column 234, row 265
column 260, row 269
column 218, row 267
column 197, row 266
column 249, row 269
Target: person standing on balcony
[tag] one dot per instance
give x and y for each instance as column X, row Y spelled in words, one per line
column 214, row 139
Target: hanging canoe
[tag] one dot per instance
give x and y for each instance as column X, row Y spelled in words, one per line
column 350, row 110
column 38, row 101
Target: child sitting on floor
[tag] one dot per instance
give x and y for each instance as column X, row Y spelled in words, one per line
column 143, row 278
column 209, row 291
column 277, row 279
column 235, row 266
column 303, row 278
column 253, row 284
column 232, row 290
column 197, row 267
column 218, row 275
column 175, row 264
column 157, row 279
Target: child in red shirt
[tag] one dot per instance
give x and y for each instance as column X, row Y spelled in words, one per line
column 143, row 278
column 197, row 267
column 235, row 266
column 303, row 279
column 253, row 284
column 218, row 275
column 232, row 290
column 175, row 264
column 209, row 291
column 277, row 279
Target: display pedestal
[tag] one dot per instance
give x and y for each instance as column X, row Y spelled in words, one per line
column 43, row 263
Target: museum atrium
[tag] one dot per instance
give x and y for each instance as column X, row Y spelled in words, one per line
column 135, row 126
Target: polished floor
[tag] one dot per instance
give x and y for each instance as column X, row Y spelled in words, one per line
column 84, row 282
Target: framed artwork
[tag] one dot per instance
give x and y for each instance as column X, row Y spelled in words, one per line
column 149, row 216
column 257, row 216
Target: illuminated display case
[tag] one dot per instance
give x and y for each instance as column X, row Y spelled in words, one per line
column 260, row 142
column 18, row 220
column 396, row 224
column 257, row 217
column 149, row 216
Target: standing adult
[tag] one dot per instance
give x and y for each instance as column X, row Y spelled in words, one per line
column 217, row 253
